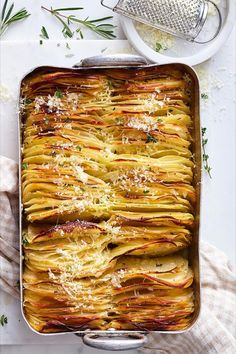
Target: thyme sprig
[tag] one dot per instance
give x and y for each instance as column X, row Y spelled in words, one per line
column 98, row 25
column 205, row 157
column 8, row 18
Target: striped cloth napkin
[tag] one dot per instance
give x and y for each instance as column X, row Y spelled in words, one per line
column 214, row 332
column 9, row 236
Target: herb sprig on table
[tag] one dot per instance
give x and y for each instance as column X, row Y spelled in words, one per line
column 8, row 17
column 99, row 25
column 205, row 157
column 3, row 320
column 44, row 33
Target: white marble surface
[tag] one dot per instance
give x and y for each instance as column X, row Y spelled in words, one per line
column 218, row 115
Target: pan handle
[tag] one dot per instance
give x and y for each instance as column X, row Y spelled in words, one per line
column 112, row 60
column 115, row 341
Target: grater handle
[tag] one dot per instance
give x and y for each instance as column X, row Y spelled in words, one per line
column 107, row 6
column 118, row 60
column 219, row 25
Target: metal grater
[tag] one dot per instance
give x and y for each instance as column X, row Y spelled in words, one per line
column 182, row 18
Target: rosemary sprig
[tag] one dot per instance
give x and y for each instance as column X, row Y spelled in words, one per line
column 98, row 25
column 205, row 157
column 7, row 17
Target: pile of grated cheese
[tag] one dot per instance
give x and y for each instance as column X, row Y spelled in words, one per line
column 154, row 38
column 211, row 8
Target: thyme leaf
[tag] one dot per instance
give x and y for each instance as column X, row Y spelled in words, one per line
column 24, row 166
column 158, row 47
column 151, row 138
column 3, row 320
column 44, row 33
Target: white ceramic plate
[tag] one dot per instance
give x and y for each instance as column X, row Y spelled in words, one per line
column 182, row 51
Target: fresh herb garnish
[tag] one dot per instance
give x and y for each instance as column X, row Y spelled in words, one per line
column 46, row 120
column 204, row 96
column 99, row 26
column 3, row 320
column 110, row 84
column 58, row 94
column 146, row 191
column 158, row 47
column 24, row 166
column 7, row 18
column 78, row 148
column 68, row 46
column 151, row 138
column 205, row 157
column 80, row 33
column 28, row 101
column 25, row 241
column 44, row 33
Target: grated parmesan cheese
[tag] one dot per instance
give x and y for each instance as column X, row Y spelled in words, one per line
column 73, row 99
column 113, row 230
column 145, row 124
column 53, row 103
column 153, row 36
column 4, row 94
column 152, row 104
column 80, row 174
column 38, row 102
column 211, row 8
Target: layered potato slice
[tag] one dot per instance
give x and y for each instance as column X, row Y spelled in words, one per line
column 150, row 287
column 103, row 142
column 114, row 239
column 108, row 199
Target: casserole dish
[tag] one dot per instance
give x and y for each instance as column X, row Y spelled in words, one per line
column 114, row 332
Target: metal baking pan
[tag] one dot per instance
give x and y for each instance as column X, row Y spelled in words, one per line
column 129, row 339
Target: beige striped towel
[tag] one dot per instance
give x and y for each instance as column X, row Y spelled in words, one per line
column 9, row 236
column 214, row 332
